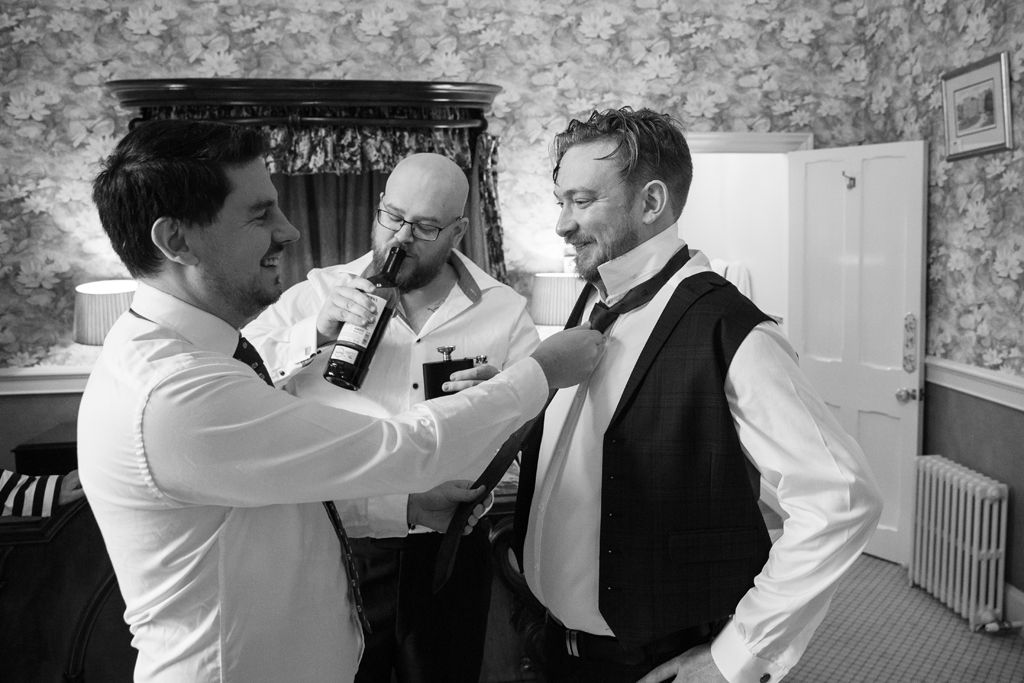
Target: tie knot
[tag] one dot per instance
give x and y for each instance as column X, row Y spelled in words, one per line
column 601, row 317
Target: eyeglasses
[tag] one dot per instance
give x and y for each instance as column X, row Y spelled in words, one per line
column 421, row 231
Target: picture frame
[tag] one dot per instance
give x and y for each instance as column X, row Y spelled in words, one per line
column 976, row 108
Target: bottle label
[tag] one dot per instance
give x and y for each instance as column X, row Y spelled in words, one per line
column 344, row 354
column 356, row 335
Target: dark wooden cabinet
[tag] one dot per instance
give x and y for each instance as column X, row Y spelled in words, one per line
column 61, row 614
column 52, row 452
column 60, row 610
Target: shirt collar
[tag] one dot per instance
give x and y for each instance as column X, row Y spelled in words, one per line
column 622, row 273
column 202, row 329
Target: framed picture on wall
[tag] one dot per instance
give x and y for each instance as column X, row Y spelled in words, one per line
column 976, row 104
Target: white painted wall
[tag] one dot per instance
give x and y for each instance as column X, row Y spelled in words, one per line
column 738, row 210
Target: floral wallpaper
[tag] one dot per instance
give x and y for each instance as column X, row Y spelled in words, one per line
column 851, row 72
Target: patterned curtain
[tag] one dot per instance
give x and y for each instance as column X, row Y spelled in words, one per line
column 486, row 159
column 307, row 141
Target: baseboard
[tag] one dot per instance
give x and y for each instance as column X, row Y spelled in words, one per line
column 1014, row 604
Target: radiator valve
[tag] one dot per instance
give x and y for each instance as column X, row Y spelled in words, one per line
column 989, row 622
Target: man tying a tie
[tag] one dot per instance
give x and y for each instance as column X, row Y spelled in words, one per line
column 206, row 482
column 638, row 499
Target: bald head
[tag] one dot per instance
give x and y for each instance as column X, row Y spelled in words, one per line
column 431, row 177
column 431, row 190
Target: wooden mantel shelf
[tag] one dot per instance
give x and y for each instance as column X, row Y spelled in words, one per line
column 164, row 92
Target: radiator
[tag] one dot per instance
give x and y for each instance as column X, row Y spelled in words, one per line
column 959, row 553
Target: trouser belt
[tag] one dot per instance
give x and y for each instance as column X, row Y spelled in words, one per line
column 610, row 649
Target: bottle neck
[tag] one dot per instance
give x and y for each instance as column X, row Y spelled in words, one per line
column 389, row 272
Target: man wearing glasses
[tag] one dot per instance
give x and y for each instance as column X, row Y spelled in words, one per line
column 446, row 300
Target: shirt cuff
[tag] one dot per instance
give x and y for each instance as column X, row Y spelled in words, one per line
column 737, row 664
column 530, row 380
column 302, row 349
column 387, row 516
column 305, row 336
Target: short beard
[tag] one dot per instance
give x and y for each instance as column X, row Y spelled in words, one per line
column 587, row 272
column 626, row 242
column 246, row 299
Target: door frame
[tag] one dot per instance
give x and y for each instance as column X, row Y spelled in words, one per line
column 756, row 143
column 748, row 143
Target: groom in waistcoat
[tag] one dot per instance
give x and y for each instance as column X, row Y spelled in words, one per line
column 638, row 501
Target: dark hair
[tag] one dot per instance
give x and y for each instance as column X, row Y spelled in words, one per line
column 169, row 168
column 650, row 146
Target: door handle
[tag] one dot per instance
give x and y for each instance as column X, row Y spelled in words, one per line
column 904, row 395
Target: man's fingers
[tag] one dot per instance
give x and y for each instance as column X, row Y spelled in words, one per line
column 345, row 305
column 477, row 372
column 665, row 672
column 361, row 283
column 453, row 387
column 470, row 377
column 353, row 306
column 461, row 492
column 479, row 511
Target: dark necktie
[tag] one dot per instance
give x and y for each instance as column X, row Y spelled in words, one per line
column 251, row 357
column 601, row 318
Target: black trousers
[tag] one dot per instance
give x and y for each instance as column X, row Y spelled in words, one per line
column 605, row 660
column 419, row 637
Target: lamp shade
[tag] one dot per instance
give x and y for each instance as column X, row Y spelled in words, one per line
column 554, row 295
column 97, row 306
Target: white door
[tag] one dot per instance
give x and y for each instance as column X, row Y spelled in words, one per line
column 856, row 307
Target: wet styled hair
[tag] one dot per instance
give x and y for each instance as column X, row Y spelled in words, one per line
column 650, row 146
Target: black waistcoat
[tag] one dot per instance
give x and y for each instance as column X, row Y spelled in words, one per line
column 681, row 534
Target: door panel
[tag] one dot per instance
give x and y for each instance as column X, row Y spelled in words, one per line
column 856, row 280
column 823, row 339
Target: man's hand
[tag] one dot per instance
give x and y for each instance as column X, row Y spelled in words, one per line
column 693, row 666
column 464, row 379
column 434, row 508
column 70, row 489
column 568, row 357
column 345, row 303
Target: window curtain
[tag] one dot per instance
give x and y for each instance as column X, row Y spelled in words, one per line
column 334, row 214
column 329, row 173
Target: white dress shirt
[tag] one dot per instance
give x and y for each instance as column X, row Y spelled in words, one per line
column 480, row 316
column 816, row 471
column 206, row 485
